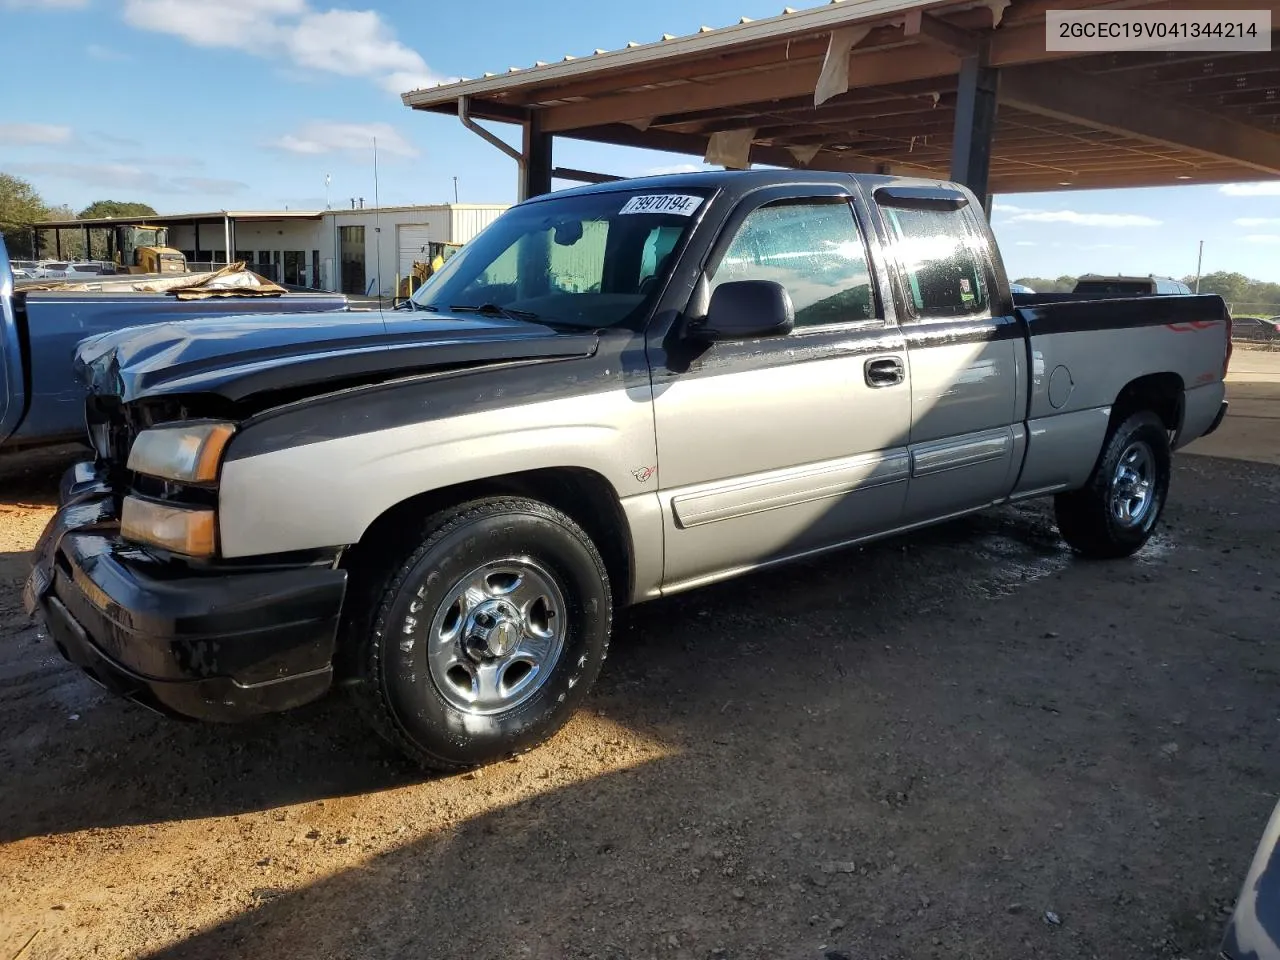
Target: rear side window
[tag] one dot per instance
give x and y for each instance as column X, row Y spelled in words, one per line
column 813, row 248
column 941, row 266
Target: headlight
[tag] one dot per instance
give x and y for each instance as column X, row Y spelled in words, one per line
column 186, row 530
column 188, row 453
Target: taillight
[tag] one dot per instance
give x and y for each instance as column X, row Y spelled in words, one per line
column 1226, row 358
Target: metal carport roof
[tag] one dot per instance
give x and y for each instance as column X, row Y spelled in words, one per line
column 917, row 76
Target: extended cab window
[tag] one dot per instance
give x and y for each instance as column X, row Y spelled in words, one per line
column 941, row 266
column 813, row 248
column 592, row 260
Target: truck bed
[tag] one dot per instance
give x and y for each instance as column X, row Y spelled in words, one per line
column 1083, row 353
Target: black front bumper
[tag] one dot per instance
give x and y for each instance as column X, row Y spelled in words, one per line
column 223, row 644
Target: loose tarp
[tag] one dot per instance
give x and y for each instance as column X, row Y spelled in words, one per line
column 804, row 154
column 233, row 280
column 834, row 79
column 731, row 149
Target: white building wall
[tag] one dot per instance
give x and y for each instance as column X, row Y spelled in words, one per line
column 469, row 219
column 393, row 238
column 386, row 257
column 264, row 241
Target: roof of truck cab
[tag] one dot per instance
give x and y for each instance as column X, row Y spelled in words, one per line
column 742, row 181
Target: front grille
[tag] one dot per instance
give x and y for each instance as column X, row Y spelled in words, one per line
column 111, row 434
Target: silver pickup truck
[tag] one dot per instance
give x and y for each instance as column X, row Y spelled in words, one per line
column 613, row 394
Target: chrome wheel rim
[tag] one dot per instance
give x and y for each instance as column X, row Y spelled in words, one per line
column 496, row 637
column 1133, row 485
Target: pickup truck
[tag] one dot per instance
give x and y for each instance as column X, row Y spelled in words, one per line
column 612, row 394
column 41, row 401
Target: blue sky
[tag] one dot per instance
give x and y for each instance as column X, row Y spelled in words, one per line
column 248, row 104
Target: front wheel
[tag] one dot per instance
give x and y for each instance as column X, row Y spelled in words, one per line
column 487, row 636
column 1115, row 513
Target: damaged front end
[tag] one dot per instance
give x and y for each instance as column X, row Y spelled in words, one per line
column 127, row 582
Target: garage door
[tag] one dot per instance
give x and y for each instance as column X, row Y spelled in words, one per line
column 411, row 238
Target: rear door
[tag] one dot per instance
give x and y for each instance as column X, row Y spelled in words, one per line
column 774, row 447
column 965, row 357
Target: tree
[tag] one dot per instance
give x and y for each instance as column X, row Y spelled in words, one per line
column 20, row 207
column 116, row 208
column 72, row 246
column 109, row 208
column 1244, row 296
column 1045, row 285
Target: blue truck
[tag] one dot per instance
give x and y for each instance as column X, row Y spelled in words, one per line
column 41, row 401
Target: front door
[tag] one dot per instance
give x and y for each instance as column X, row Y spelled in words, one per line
column 775, row 447
column 964, row 361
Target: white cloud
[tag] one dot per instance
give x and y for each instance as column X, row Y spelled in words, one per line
column 1255, row 221
column 106, row 54
column 34, row 134
column 175, row 162
column 350, row 43
column 1026, row 243
column 1263, row 238
column 1000, row 207
column 124, row 176
column 1266, row 188
column 1074, row 217
column 324, row 136
column 44, row 4
column 116, row 139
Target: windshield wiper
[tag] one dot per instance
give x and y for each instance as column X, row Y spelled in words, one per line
column 493, row 310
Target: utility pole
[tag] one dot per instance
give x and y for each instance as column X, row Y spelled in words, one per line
column 455, row 189
column 1199, row 264
column 326, row 192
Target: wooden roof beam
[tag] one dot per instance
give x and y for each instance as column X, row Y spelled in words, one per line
column 1011, row 45
column 935, row 30
column 831, row 160
column 1063, row 93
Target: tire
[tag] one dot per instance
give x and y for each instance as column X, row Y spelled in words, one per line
column 1099, row 521
column 508, row 550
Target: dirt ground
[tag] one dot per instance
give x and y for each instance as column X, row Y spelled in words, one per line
column 962, row 744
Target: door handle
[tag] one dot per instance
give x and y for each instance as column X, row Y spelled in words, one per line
column 884, row 372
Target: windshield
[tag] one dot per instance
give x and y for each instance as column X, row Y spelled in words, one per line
column 595, row 260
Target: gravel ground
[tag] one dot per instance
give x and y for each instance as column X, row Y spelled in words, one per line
column 958, row 744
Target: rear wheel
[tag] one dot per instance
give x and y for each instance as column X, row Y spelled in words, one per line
column 483, row 639
column 1115, row 513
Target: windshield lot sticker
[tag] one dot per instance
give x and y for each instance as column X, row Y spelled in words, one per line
column 680, row 204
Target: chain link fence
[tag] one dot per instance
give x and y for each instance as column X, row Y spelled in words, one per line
column 1243, row 309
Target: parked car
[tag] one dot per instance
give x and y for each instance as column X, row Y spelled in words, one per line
column 612, row 394
column 41, row 400
column 1253, row 933
column 50, row 270
column 1019, row 288
column 1256, row 328
column 86, row 271
column 1130, row 286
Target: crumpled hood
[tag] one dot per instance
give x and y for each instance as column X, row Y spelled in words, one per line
column 235, row 357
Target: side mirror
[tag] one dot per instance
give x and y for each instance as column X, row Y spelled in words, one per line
column 744, row 310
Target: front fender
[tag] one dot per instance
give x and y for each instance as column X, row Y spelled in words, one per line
column 327, row 493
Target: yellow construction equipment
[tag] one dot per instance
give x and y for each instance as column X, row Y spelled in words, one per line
column 142, row 248
column 437, row 253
